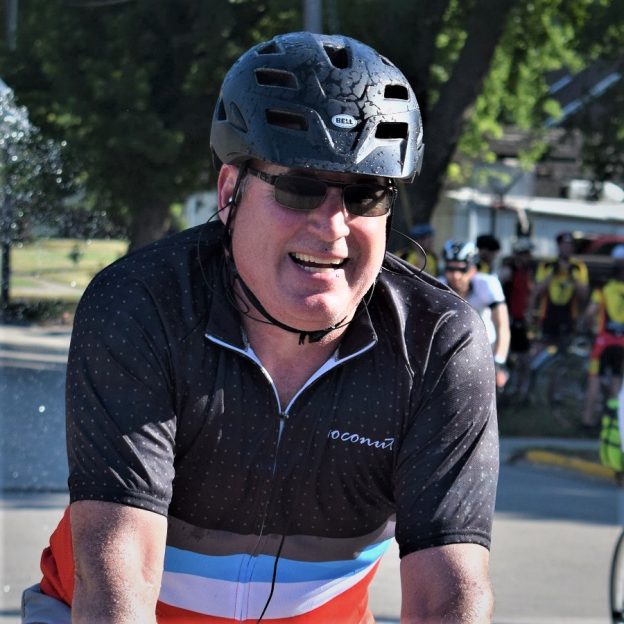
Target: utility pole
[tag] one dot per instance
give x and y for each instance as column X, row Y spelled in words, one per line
column 313, row 16
column 7, row 207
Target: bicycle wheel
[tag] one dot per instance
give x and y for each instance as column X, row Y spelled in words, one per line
column 616, row 582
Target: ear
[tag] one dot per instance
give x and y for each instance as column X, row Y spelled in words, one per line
column 225, row 189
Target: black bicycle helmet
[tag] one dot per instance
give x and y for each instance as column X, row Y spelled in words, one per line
column 457, row 251
column 324, row 102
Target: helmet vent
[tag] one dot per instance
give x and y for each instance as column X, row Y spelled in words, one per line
column 391, row 130
column 221, row 116
column 269, row 48
column 236, row 118
column 338, row 57
column 285, row 119
column 396, row 92
column 276, row 78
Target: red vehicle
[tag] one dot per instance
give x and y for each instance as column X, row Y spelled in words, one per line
column 595, row 251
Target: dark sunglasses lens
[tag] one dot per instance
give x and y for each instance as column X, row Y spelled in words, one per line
column 367, row 200
column 299, row 193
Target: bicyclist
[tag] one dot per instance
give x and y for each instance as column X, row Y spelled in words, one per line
column 488, row 247
column 561, row 289
column 517, row 274
column 484, row 293
column 606, row 311
column 424, row 235
column 257, row 406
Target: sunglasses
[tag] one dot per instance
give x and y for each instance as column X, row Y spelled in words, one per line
column 303, row 193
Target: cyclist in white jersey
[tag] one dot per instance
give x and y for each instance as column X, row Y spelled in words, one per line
column 482, row 291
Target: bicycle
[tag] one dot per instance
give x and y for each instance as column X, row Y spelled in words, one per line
column 616, row 582
column 558, row 376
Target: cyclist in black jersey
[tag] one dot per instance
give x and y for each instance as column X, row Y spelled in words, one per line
column 256, row 407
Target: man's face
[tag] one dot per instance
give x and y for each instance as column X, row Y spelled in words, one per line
column 487, row 255
column 566, row 248
column 308, row 269
column 458, row 276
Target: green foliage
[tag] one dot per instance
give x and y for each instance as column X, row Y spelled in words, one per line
column 132, row 87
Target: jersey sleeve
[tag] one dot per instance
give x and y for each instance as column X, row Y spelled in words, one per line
column 496, row 290
column 120, row 411
column 447, row 468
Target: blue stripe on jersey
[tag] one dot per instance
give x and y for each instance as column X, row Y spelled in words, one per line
column 230, row 568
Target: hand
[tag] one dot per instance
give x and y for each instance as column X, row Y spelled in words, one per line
column 502, row 375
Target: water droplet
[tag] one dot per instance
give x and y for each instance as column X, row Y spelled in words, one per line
column 72, row 284
column 42, row 409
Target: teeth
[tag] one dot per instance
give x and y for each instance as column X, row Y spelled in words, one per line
column 313, row 259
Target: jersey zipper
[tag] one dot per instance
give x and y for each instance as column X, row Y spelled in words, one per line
column 247, row 569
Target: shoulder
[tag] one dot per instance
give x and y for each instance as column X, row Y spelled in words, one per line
column 419, row 305
column 488, row 284
column 165, row 279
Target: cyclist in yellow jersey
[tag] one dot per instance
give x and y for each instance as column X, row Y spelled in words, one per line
column 488, row 247
column 607, row 309
column 561, row 288
column 423, row 234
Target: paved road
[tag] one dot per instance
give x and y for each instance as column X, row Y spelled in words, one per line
column 553, row 532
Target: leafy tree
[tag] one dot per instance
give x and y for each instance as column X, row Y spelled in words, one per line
column 33, row 179
column 131, row 86
column 479, row 66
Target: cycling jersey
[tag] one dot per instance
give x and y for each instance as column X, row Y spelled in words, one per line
column 610, row 301
column 429, row 263
column 558, row 308
column 484, row 293
column 170, row 410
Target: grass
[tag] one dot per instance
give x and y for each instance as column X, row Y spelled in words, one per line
column 59, row 268
column 534, row 421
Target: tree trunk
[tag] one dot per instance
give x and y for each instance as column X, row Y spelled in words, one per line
column 150, row 221
column 446, row 120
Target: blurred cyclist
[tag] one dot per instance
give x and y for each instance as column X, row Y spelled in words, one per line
column 423, row 234
column 484, row 293
column 487, row 248
column 561, row 288
column 606, row 312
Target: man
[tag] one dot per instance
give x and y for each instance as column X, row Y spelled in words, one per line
column 517, row 275
column 484, row 293
column 487, row 248
column 423, row 257
column 256, row 407
column 606, row 312
column 561, row 289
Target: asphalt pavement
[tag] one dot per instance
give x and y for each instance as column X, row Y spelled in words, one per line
column 33, row 490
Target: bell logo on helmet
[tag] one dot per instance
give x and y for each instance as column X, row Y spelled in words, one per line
column 344, row 121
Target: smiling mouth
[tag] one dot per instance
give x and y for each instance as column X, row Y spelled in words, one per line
column 312, row 264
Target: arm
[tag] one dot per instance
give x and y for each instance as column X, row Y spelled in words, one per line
column 446, row 584
column 118, row 554
column 500, row 319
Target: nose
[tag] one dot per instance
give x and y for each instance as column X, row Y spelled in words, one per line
column 330, row 219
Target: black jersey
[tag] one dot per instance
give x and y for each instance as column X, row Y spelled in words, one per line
column 170, row 410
